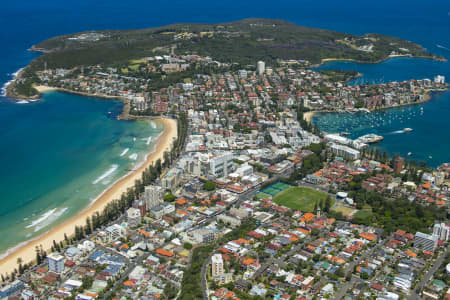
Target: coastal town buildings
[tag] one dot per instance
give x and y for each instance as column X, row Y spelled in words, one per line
column 428, row 242
column 55, row 262
column 153, row 196
column 254, row 195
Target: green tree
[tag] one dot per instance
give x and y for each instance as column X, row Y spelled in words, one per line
column 169, row 197
column 328, row 202
column 209, row 186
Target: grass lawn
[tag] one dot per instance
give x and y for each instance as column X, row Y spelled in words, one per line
column 137, row 61
column 300, row 198
column 363, row 213
column 134, row 67
column 262, row 196
column 344, row 210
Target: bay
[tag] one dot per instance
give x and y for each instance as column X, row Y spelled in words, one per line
column 59, row 155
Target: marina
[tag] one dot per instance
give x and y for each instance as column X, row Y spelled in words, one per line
column 401, row 129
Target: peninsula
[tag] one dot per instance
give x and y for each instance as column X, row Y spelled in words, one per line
column 240, row 42
column 252, row 201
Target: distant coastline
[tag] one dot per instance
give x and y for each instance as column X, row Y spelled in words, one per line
column 325, row 60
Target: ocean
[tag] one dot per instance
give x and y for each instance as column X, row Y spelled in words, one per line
column 59, row 153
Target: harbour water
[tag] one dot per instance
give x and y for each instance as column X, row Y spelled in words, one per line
column 427, row 142
column 430, row 139
column 58, row 154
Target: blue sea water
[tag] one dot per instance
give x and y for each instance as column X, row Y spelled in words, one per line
column 58, row 155
column 59, row 145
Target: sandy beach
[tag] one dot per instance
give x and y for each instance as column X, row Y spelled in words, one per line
column 307, row 116
column 42, row 88
column 27, row 252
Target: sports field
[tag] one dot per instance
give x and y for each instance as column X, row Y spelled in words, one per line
column 300, row 198
column 345, row 210
column 364, row 213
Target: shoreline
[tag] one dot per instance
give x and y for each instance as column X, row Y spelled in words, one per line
column 325, row 60
column 307, row 116
column 26, row 249
column 126, row 104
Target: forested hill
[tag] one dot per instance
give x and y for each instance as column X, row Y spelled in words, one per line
column 244, row 41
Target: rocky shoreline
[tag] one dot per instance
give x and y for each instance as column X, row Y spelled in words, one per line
column 325, row 60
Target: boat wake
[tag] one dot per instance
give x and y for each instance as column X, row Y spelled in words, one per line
column 405, row 130
column 124, row 151
column 106, row 174
column 396, row 132
column 442, row 47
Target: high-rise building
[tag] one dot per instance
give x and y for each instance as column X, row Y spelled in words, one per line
column 260, row 67
column 153, row 196
column 398, row 165
column 428, row 242
column 220, row 164
column 439, row 178
column 441, row 231
column 217, row 265
column 55, row 262
column 140, row 204
column 133, row 217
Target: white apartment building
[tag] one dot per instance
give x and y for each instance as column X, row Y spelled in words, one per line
column 217, row 164
column 260, row 67
column 217, row 265
column 133, row 217
column 114, row 232
column 55, row 262
column 441, row 231
column 345, row 152
column 428, row 242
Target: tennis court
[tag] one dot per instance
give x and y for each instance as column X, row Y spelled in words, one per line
column 276, row 188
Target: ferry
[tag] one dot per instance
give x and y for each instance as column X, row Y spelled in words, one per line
column 369, row 138
column 407, row 129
